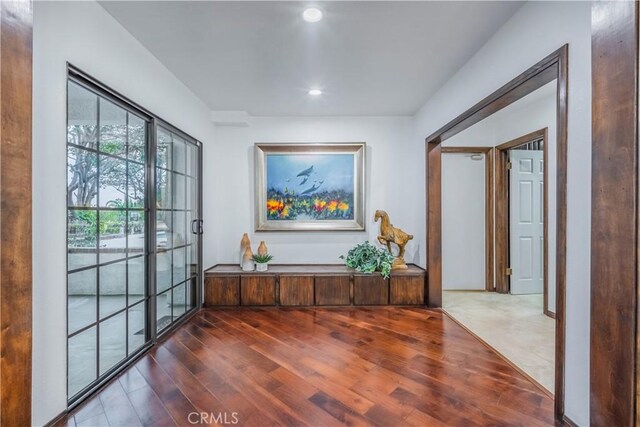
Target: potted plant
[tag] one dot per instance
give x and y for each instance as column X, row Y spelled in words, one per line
column 262, row 261
column 366, row 258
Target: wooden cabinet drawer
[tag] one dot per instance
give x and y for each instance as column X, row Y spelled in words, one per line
column 332, row 290
column 370, row 290
column 296, row 290
column 408, row 290
column 258, row 290
column 221, row 291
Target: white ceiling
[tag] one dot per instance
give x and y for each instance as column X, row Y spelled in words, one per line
column 369, row 58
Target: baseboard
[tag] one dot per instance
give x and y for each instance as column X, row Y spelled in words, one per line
column 56, row 419
column 568, row 421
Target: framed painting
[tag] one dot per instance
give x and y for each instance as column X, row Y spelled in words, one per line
column 303, row 187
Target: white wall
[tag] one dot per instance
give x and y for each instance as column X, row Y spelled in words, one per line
column 531, row 113
column 86, row 36
column 391, row 168
column 463, row 222
column 536, row 30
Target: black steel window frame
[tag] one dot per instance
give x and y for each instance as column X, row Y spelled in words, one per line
column 83, row 79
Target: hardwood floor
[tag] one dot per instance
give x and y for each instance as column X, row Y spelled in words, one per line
column 320, row 367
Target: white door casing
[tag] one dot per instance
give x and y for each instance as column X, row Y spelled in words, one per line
column 526, row 221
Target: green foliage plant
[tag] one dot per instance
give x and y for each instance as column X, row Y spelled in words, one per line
column 367, row 258
column 262, row 259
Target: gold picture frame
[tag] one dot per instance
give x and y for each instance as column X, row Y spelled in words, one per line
column 310, row 187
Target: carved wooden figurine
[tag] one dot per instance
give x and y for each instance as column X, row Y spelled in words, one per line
column 390, row 234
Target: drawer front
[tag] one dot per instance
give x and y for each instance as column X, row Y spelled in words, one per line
column 332, row 290
column 221, row 291
column 296, row 290
column 370, row 290
column 258, row 290
column 407, row 290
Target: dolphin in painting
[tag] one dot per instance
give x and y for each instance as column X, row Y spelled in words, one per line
column 312, row 188
column 306, row 172
column 306, row 178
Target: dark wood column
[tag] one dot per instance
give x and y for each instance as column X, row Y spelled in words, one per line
column 15, row 212
column 434, row 224
column 614, row 213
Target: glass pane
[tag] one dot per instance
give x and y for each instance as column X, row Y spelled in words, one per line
column 82, row 360
column 179, row 192
column 191, row 261
column 136, row 186
column 113, row 281
column 179, row 228
column 113, row 241
column 82, row 234
column 163, row 271
column 82, row 113
column 113, row 341
column 179, row 154
column 179, row 266
column 137, row 282
column 81, row 299
column 136, row 233
column 113, row 129
column 164, row 234
column 82, row 177
column 192, row 160
column 163, row 311
column 137, row 138
column 163, row 153
column 179, row 301
column 137, row 315
column 163, row 189
column 191, row 293
column 113, row 182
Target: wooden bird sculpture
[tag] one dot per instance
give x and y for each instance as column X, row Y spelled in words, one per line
column 390, row 234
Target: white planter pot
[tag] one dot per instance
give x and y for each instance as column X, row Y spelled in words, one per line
column 262, row 266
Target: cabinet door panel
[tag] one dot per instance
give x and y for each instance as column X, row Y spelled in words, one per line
column 370, row 290
column 258, row 290
column 407, row 290
column 296, row 290
column 221, row 291
column 332, row 290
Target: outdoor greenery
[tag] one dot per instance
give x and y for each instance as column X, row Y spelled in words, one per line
column 367, row 258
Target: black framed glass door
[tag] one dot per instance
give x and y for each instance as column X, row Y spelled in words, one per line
column 178, row 227
column 133, row 231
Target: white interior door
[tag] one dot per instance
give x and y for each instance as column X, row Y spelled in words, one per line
column 526, row 216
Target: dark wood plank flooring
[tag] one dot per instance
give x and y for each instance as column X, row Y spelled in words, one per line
column 319, row 367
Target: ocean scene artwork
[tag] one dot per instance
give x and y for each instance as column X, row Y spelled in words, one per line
column 310, row 187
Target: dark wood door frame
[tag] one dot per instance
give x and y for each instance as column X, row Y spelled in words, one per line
column 502, row 212
column 554, row 66
column 488, row 207
column 614, row 361
column 16, row 40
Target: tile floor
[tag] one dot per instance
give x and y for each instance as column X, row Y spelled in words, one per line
column 514, row 325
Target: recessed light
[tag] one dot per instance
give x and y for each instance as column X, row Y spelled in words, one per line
column 315, row 92
column 312, row 14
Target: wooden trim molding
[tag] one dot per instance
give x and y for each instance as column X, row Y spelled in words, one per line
column 16, row 35
column 434, row 224
column 488, row 207
column 614, row 215
column 554, row 66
